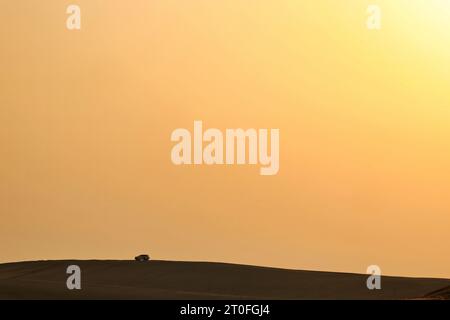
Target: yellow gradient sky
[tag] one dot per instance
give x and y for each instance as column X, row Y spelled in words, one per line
column 86, row 118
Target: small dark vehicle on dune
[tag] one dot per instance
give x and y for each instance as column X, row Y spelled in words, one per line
column 142, row 258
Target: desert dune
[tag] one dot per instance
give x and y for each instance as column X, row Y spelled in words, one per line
column 114, row 279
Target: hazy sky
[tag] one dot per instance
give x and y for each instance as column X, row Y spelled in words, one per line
column 86, row 118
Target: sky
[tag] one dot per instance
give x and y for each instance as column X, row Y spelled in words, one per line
column 86, row 118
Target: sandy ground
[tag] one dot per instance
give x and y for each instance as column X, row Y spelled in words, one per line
column 197, row 280
column 441, row 294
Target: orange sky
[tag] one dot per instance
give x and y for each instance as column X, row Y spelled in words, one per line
column 86, row 118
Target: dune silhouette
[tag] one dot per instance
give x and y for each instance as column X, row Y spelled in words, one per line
column 441, row 294
column 115, row 279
